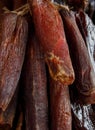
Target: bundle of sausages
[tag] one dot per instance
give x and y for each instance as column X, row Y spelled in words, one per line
column 47, row 59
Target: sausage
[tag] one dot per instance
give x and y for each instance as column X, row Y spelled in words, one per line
column 49, row 30
column 60, row 109
column 7, row 116
column 84, row 73
column 87, row 29
column 13, row 38
column 82, row 115
column 35, row 87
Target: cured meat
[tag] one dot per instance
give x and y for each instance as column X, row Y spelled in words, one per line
column 82, row 115
column 50, row 32
column 84, row 72
column 35, row 87
column 60, row 109
column 91, row 10
column 13, row 37
column 7, row 116
column 81, row 24
column 87, row 29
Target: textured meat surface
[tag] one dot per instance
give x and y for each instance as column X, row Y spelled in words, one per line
column 7, row 116
column 87, row 29
column 50, row 32
column 60, row 109
column 35, row 83
column 84, row 73
column 12, row 49
column 82, row 115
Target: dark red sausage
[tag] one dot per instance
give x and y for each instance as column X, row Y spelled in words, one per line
column 7, row 116
column 60, row 109
column 35, row 86
column 84, row 72
column 50, row 32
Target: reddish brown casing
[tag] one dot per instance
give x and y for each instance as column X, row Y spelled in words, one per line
column 50, row 32
column 7, row 116
column 84, row 72
column 35, row 86
column 60, row 109
column 87, row 29
column 13, row 37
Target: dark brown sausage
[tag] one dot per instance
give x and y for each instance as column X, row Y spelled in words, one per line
column 84, row 72
column 87, row 29
column 7, row 116
column 13, row 37
column 35, row 86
